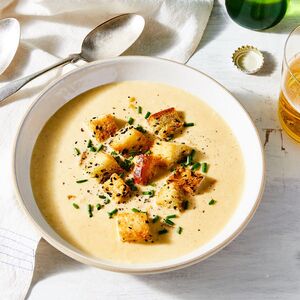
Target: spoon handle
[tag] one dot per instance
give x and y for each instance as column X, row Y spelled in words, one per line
column 12, row 87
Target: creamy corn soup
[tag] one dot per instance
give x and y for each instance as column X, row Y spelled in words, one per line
column 156, row 216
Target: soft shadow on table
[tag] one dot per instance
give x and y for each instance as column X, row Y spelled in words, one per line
column 60, row 264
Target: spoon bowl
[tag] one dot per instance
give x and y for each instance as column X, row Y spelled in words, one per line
column 112, row 38
column 9, row 41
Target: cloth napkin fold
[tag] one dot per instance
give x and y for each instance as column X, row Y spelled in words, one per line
column 51, row 29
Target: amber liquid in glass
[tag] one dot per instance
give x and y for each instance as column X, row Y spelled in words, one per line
column 289, row 100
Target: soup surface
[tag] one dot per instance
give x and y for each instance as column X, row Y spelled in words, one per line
column 63, row 190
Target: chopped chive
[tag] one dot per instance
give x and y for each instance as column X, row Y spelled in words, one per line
column 90, row 210
column 75, row 205
column 196, row 166
column 100, row 147
column 113, row 212
column 102, row 196
column 147, row 115
column 179, row 230
column 130, row 121
column 163, row 231
column 92, row 149
column 169, row 222
column 212, row 202
column 81, row 180
column 140, row 129
column 90, row 143
column 113, row 153
column 122, row 175
column 185, row 204
column 148, row 152
column 135, row 210
column 188, row 124
column 153, row 184
column 133, row 152
column 130, row 183
column 171, row 216
column 188, row 160
column 150, row 193
column 204, row 167
column 140, row 109
column 106, row 201
column 98, row 206
column 77, row 151
column 155, row 219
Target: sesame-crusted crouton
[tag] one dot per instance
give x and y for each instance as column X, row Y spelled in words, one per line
column 145, row 168
column 166, row 123
column 188, row 180
column 101, row 166
column 103, row 127
column 170, row 153
column 116, row 188
column 130, row 140
column 134, row 227
column 170, row 196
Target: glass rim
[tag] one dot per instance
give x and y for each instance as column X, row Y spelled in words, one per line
column 285, row 56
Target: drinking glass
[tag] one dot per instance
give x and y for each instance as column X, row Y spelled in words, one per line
column 289, row 99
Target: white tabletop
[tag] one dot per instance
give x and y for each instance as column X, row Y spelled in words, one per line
column 264, row 261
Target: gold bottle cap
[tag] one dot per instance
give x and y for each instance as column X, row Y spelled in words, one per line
column 248, row 59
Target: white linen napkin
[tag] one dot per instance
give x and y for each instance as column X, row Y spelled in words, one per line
column 52, row 29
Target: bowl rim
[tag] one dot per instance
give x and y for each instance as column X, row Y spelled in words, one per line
column 146, row 269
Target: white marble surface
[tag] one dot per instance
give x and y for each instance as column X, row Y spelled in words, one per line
column 264, row 261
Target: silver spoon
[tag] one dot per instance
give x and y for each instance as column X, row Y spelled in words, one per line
column 9, row 41
column 107, row 40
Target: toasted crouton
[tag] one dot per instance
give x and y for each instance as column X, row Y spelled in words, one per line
column 116, row 188
column 146, row 167
column 166, row 123
column 188, row 180
column 170, row 196
column 101, row 166
column 170, row 153
column 103, row 127
column 134, row 227
column 130, row 140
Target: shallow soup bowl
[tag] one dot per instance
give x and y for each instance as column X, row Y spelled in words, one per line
column 155, row 70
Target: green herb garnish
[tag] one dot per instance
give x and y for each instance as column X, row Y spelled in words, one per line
column 149, row 193
column 81, row 180
column 140, row 129
column 196, row 166
column 155, row 219
column 92, row 149
column 169, row 222
column 140, row 109
column 98, row 206
column 112, row 213
column 147, row 115
column 75, row 205
column 90, row 143
column 188, row 124
column 204, row 167
column 77, row 151
column 135, row 210
column 90, row 210
column 212, row 202
column 163, row 231
column 102, row 196
column 106, row 201
column 171, row 216
column 130, row 183
column 100, row 147
column 179, row 230
column 130, row 121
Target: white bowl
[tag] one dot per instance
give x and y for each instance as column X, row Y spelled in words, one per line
column 151, row 69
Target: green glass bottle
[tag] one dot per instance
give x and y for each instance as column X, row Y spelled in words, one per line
column 257, row 14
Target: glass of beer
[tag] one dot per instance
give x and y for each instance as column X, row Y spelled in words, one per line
column 289, row 100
